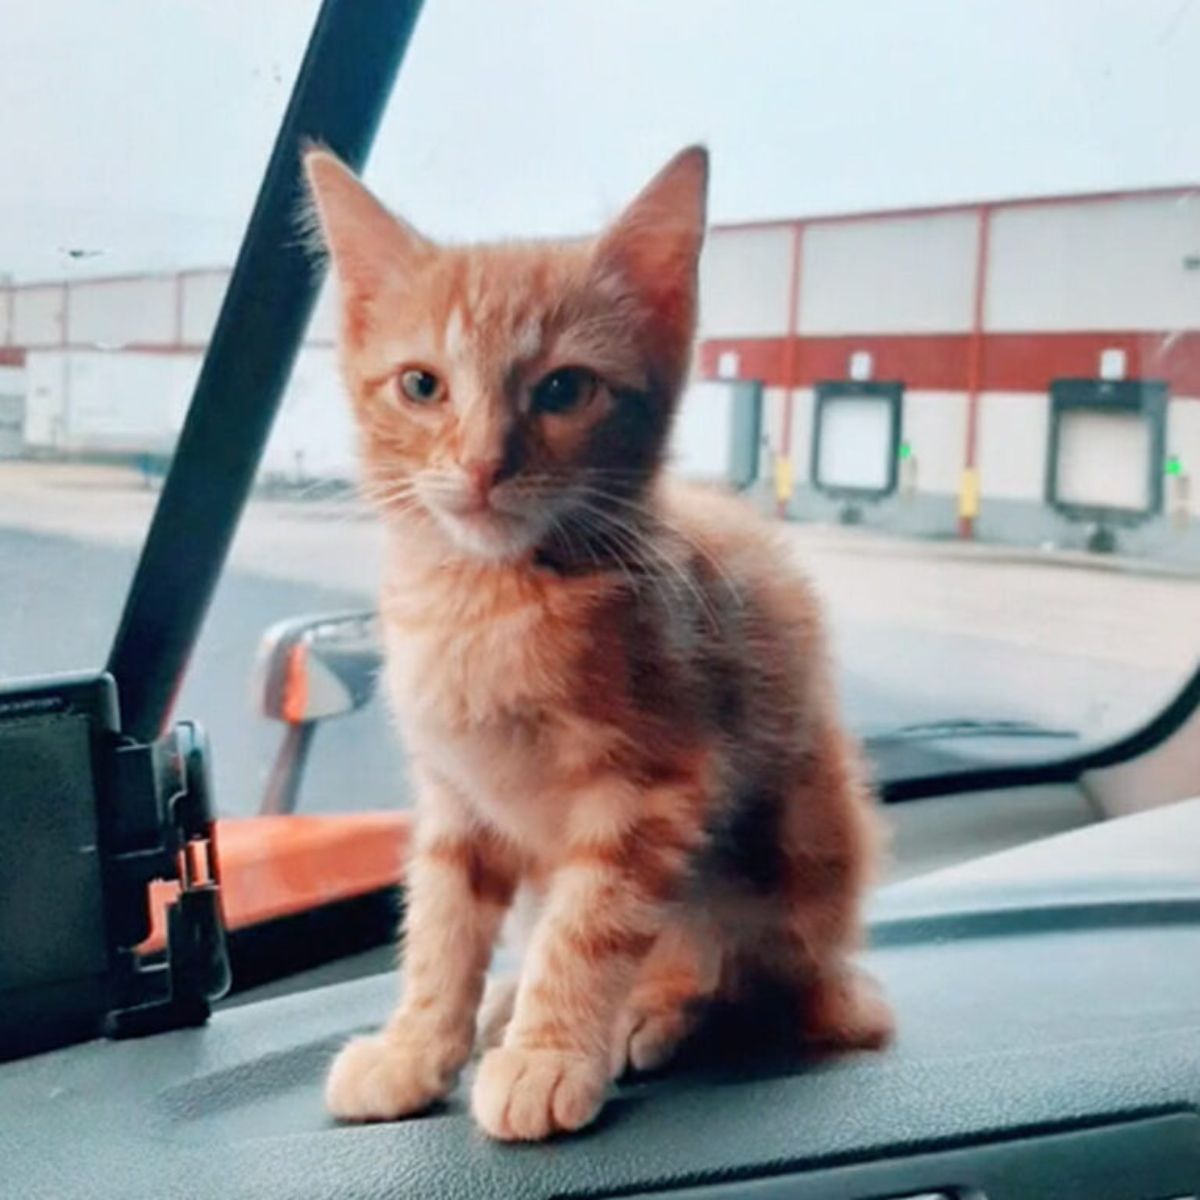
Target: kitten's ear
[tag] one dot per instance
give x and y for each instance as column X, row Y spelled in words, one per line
column 364, row 240
column 653, row 248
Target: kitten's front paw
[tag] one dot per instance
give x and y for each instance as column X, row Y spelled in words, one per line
column 378, row 1078
column 526, row 1095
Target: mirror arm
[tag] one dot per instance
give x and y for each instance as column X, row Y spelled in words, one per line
column 283, row 783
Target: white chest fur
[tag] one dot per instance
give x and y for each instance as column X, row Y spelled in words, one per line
column 485, row 700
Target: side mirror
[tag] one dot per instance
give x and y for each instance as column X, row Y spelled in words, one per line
column 311, row 669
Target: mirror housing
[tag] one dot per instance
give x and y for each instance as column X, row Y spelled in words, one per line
column 310, row 669
column 316, row 667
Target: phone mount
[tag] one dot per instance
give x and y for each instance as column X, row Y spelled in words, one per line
column 89, row 819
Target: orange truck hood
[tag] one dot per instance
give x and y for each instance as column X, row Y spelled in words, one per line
column 279, row 866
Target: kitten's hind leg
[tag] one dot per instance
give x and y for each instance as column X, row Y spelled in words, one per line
column 840, row 1006
column 674, row 984
column 831, row 840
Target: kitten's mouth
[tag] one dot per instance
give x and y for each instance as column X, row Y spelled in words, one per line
column 485, row 520
column 487, row 532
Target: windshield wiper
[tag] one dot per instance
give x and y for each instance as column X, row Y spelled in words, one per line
column 967, row 727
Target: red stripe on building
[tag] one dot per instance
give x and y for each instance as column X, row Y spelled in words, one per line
column 12, row 356
column 938, row 359
column 757, row 358
column 1009, row 362
column 1017, row 361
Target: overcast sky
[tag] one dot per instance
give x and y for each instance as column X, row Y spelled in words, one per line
column 138, row 129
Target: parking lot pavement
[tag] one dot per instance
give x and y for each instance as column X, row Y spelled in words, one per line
column 330, row 543
column 922, row 631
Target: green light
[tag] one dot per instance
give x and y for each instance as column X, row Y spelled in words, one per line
column 905, row 451
column 1174, row 466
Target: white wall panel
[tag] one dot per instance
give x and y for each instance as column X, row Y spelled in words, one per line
column 1109, row 265
column 203, row 292
column 127, row 401
column 935, row 426
column 314, row 432
column 12, row 411
column 118, row 312
column 889, row 275
column 803, row 405
column 44, row 372
column 38, row 315
column 1183, row 439
column 772, row 431
column 6, row 309
column 702, row 436
column 324, row 324
column 772, row 426
column 1014, row 430
column 745, row 277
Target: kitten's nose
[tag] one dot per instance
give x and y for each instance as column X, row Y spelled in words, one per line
column 481, row 476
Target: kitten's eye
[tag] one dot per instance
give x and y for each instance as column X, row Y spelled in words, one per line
column 420, row 386
column 564, row 390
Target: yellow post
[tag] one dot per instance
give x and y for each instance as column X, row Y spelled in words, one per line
column 783, row 482
column 968, row 501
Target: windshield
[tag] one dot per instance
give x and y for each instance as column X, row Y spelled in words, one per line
column 949, row 334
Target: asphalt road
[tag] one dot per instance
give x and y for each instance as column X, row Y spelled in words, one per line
column 900, row 658
column 61, row 599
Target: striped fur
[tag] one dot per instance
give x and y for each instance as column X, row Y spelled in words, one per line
column 614, row 688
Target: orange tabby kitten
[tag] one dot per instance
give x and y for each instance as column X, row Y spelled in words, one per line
column 614, row 689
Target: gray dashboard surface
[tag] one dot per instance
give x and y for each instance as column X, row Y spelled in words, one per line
column 1029, row 999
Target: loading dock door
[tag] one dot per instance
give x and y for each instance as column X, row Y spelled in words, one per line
column 1107, row 442
column 856, row 438
column 1102, row 461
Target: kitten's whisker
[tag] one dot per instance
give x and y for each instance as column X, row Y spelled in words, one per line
column 619, row 552
column 690, row 540
column 637, row 539
column 564, row 531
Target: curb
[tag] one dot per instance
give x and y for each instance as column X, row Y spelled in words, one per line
column 836, row 540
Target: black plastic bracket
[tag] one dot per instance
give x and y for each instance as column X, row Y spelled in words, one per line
column 167, row 793
column 92, row 819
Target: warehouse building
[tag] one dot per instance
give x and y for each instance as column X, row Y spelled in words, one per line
column 107, row 366
column 1022, row 371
